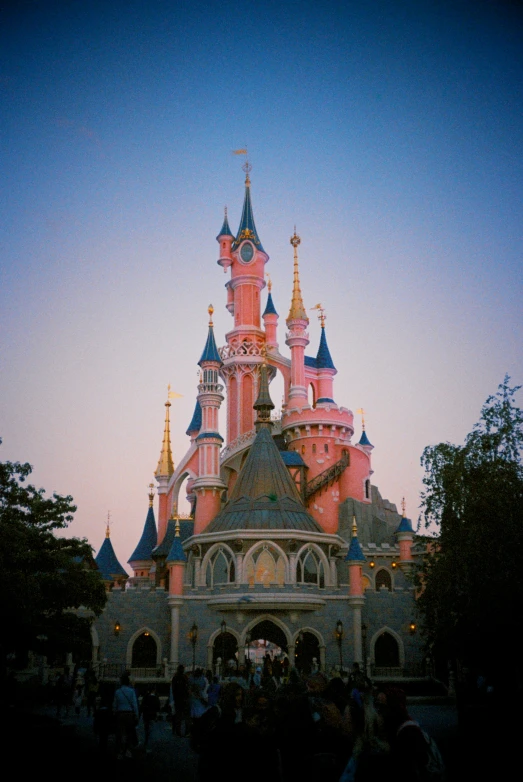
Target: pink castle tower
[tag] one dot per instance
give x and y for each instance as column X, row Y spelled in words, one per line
column 208, row 486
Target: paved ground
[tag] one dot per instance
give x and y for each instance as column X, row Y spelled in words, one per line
column 68, row 748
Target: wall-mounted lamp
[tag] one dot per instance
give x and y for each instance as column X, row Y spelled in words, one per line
column 117, row 628
column 412, row 628
column 372, row 563
column 394, row 564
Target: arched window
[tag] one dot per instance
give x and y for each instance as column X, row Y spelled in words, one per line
column 189, row 570
column 220, row 568
column 309, row 569
column 144, row 651
column 326, row 447
column 266, row 566
column 365, row 582
column 367, row 489
column 314, row 447
column 383, row 580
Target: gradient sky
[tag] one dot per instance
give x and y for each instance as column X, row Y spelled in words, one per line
column 389, row 133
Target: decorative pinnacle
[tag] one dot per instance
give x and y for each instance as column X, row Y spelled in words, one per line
column 247, row 168
column 151, row 494
column 165, row 462
column 361, row 412
column 107, row 531
column 269, row 283
column 210, row 310
column 403, row 507
column 354, row 527
column 297, row 310
column 177, row 529
column 321, row 316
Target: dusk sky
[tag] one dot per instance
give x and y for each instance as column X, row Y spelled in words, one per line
column 390, row 133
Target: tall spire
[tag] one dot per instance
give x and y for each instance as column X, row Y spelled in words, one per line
column 364, row 440
column 264, row 403
column 297, row 310
column 165, row 462
column 247, row 229
column 225, row 229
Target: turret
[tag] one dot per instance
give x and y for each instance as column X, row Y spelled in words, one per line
column 270, row 321
column 225, row 239
column 208, row 486
column 176, row 561
column 164, row 471
column 141, row 559
column 297, row 338
column 405, row 537
column 113, row 574
column 355, row 559
column 324, row 365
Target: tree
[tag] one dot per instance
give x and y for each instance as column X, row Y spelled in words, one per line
column 471, row 580
column 50, row 588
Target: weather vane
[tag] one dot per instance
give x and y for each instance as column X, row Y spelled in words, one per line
column 361, row 412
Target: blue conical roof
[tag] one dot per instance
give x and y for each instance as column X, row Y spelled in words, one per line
column 405, row 525
column 176, row 553
column 323, row 357
column 225, row 229
column 210, row 351
column 196, row 421
column 247, row 229
column 270, row 309
column 107, row 563
column 355, row 554
column 148, row 540
column 364, row 440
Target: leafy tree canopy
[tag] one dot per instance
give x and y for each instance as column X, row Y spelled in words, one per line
column 44, row 578
column 471, row 583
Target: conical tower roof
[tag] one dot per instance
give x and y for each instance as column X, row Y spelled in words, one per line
column 323, row 357
column 176, row 553
column 196, row 420
column 107, row 563
column 149, row 539
column 297, row 310
column 165, row 466
column 210, row 351
column 247, row 229
column 265, row 496
column 270, row 309
column 355, row 554
column 225, row 229
column 264, row 403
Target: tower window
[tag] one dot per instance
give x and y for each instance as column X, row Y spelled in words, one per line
column 367, row 489
column 303, row 449
column 314, row 447
column 326, row 447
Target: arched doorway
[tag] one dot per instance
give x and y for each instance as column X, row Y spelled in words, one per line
column 386, row 651
column 306, row 652
column 267, row 645
column 144, row 651
column 225, row 650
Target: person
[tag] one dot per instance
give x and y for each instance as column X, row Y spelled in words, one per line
column 370, row 753
column 256, row 680
column 125, row 707
column 63, row 689
column 409, row 752
column 213, row 693
column 358, row 679
column 149, row 708
column 198, row 703
column 103, row 720
column 91, row 686
column 180, row 697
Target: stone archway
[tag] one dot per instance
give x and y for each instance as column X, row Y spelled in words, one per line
column 268, row 640
column 144, row 651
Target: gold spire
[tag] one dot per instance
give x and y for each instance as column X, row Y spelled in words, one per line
column 297, row 310
column 361, row 412
column 269, row 283
column 354, row 527
column 165, row 462
column 403, row 507
column 151, row 494
column 321, row 316
column 107, row 531
column 210, row 310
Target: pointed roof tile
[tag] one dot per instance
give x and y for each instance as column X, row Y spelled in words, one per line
column 196, row 421
column 107, row 563
column 176, row 553
column 210, row 351
column 225, row 229
column 323, row 357
column 265, row 496
column 270, row 309
column 143, row 550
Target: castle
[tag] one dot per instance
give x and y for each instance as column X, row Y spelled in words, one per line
column 289, row 545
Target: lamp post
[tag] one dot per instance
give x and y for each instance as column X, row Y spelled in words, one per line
column 339, row 637
column 223, row 630
column 193, row 637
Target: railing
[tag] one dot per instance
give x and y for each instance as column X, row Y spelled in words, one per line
column 115, row 670
column 327, row 476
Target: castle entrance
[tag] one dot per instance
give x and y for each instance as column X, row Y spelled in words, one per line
column 267, row 642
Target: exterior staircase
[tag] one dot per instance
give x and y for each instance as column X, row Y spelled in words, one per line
column 326, row 477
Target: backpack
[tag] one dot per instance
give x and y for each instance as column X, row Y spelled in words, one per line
column 434, row 770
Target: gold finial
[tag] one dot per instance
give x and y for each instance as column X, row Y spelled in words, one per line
column 225, row 210
column 246, row 166
column 354, row 527
column 269, row 283
column 403, row 507
column 177, row 529
column 107, row 531
column 165, row 462
column 321, row 316
column 297, row 309
column 361, row 412
column 210, row 310
column 151, row 494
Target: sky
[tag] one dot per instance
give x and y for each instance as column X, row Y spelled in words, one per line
column 389, row 134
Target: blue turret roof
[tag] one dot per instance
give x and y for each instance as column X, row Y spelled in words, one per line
column 176, row 554
column 270, row 309
column 364, row 440
column 292, row 459
column 405, row 525
column 323, row 357
column 225, row 229
column 196, row 421
column 107, row 563
column 148, row 540
column 210, row 351
column 355, row 554
column 247, row 229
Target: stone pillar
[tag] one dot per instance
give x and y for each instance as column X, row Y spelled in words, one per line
column 356, row 603
column 174, row 605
